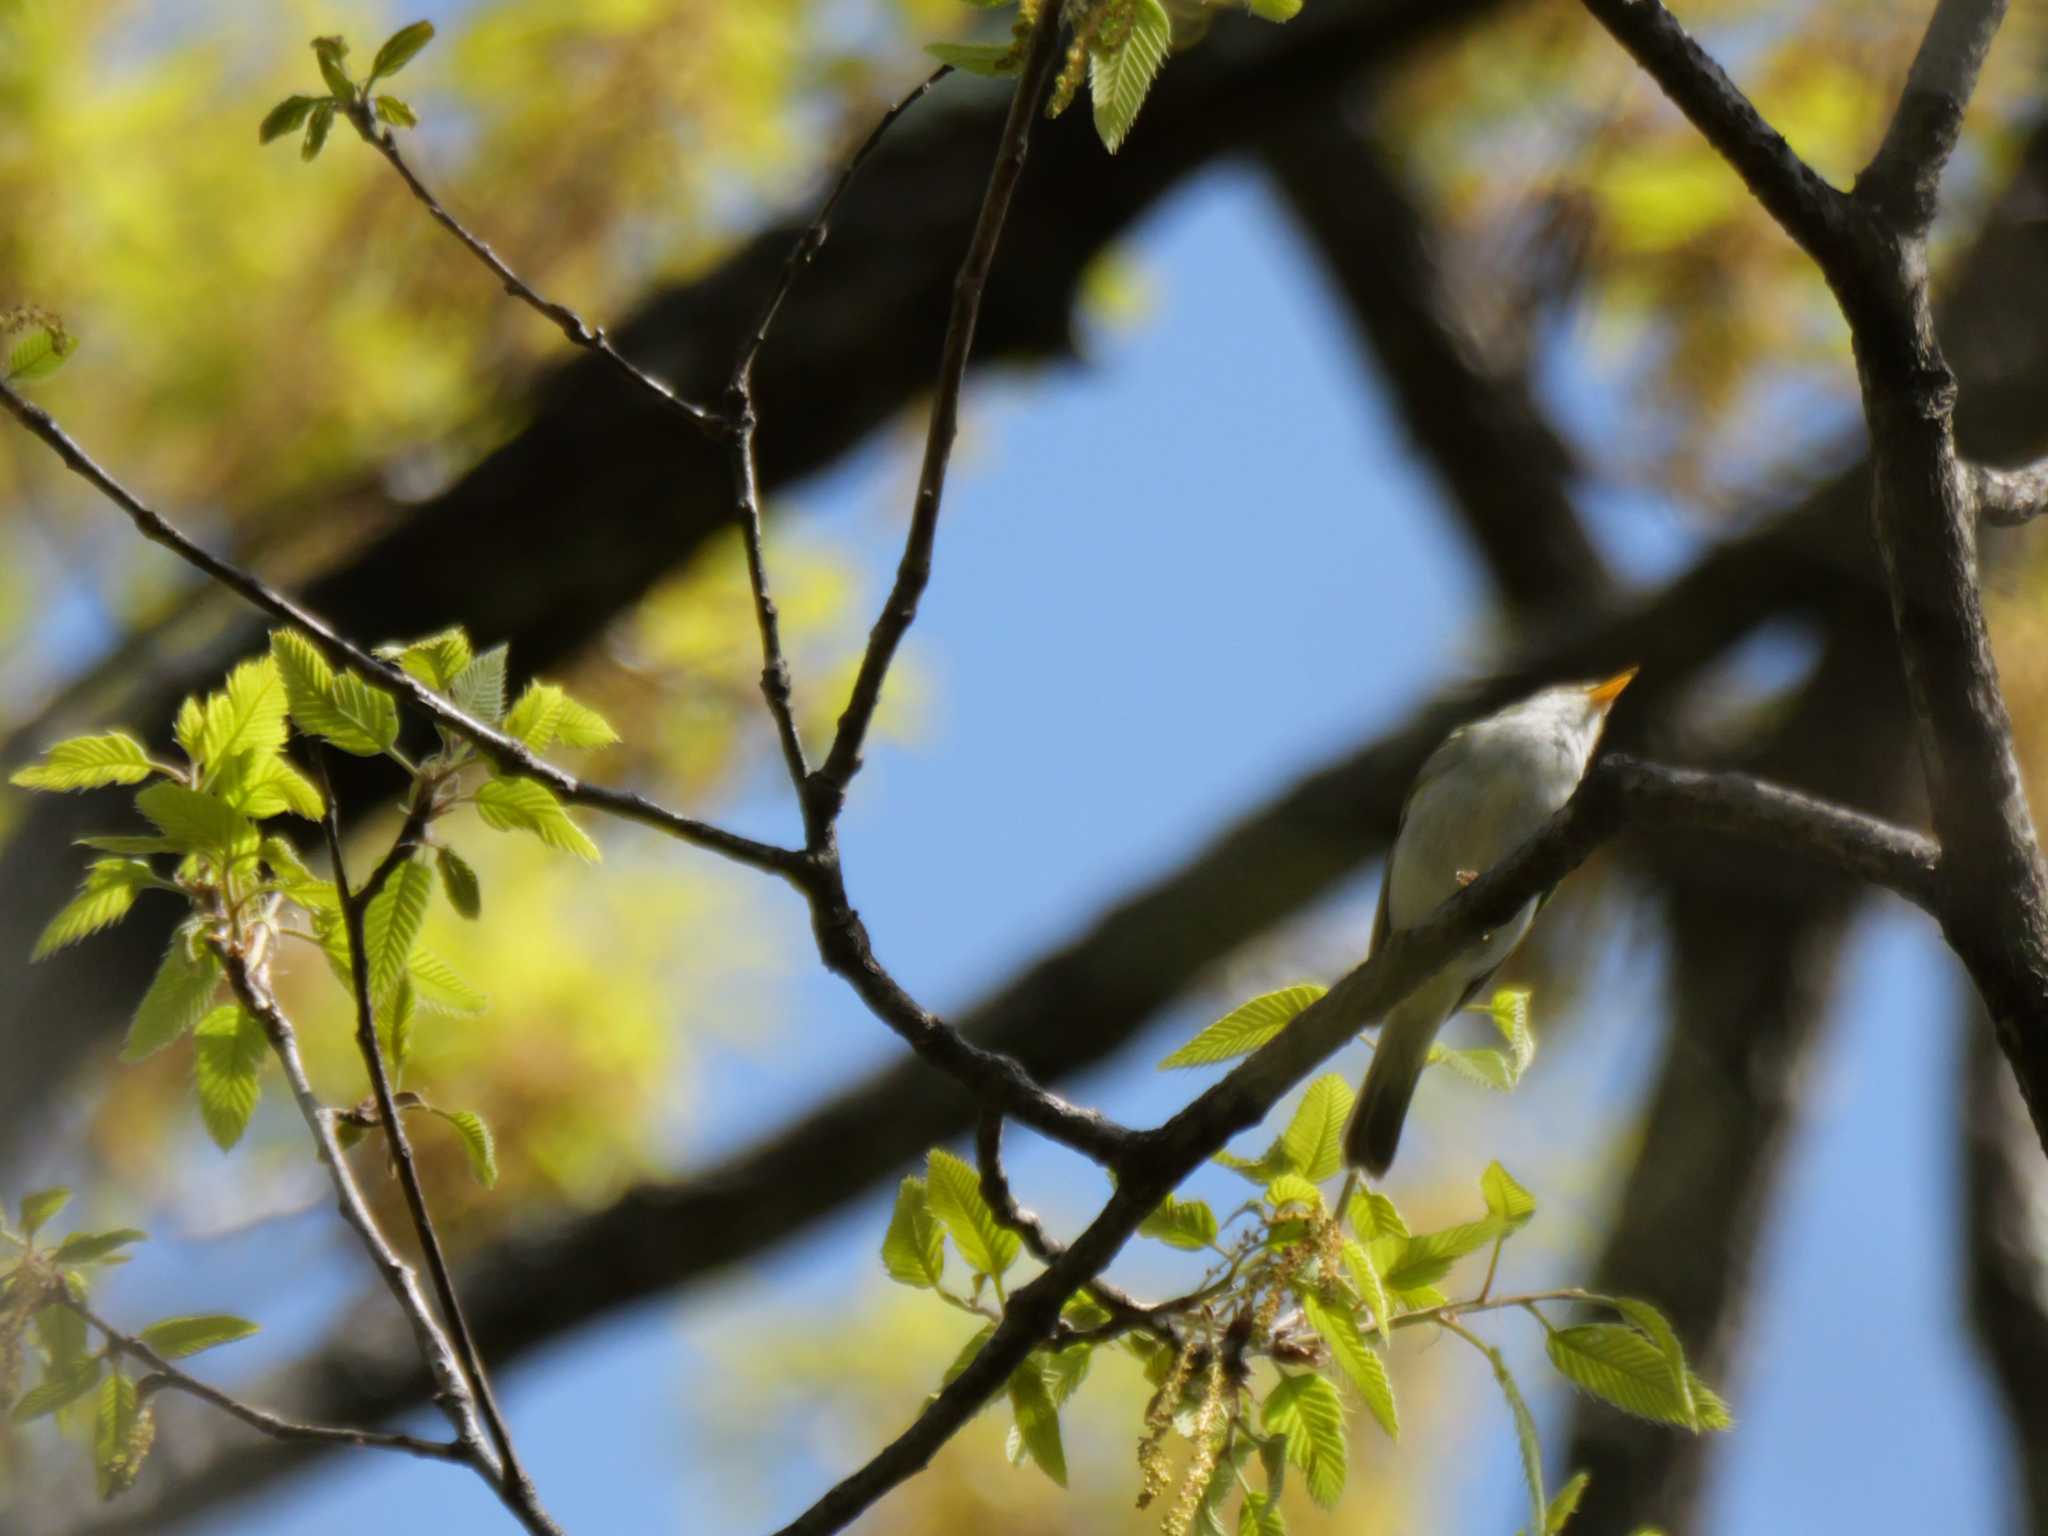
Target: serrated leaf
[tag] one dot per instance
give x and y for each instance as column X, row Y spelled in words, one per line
column 1488, row 1068
column 1188, row 1224
column 1260, row 1515
column 59, row 1388
column 227, row 1065
column 87, row 762
column 1038, row 1418
column 1366, row 1276
column 114, row 1418
column 521, row 805
column 1659, row 1331
column 1245, row 1028
column 913, row 1249
column 581, row 726
column 1314, row 1138
column 395, row 112
column 39, row 1207
column 175, row 1338
column 198, row 821
column 338, row 707
column 436, row 660
column 532, row 721
column 1306, row 1410
column 1510, row 1013
column 177, row 999
column 1120, row 78
column 1375, row 1215
column 286, row 117
column 953, row 1191
column 1066, row 1369
column 1507, row 1201
column 1356, row 1358
column 477, row 1142
column 109, row 891
column 1525, row 1439
column 1273, row 1164
column 247, row 715
column 92, row 1247
column 190, row 726
column 400, row 48
column 391, row 925
column 261, row 784
column 992, row 60
column 1293, row 1189
column 1565, row 1504
column 1411, row 1262
column 1623, row 1368
column 438, row 986
column 40, row 353
column 478, row 690
column 465, row 892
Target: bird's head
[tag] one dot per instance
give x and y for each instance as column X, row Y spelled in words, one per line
column 1575, row 712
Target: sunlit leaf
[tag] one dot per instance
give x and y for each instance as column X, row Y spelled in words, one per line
column 227, row 1064
column 177, row 1337
column 1245, row 1028
column 87, row 762
column 953, row 1190
column 913, row 1249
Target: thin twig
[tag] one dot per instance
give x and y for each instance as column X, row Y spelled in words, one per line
column 572, row 325
column 742, row 425
column 514, row 1483
column 494, row 744
column 261, row 1420
column 969, row 289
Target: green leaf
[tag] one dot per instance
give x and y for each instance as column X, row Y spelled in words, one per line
column 1306, row 1410
column 436, row 660
column 1274, row 1164
column 177, row 1337
column 1525, row 1437
column 508, row 805
column 438, row 986
column 62, row 1332
column 1274, row 10
column 400, row 48
column 176, row 1000
column 58, row 1388
column 317, row 127
column 913, row 1249
column 1621, row 1367
column 545, row 715
column 114, row 1420
column 285, row 118
column 477, row 1142
column 110, row 889
column 1366, row 1276
column 1038, row 1419
column 330, row 51
column 1245, row 1028
column 1119, row 78
column 190, row 726
column 1314, row 1138
column 1293, row 1189
column 87, row 762
column 247, row 715
column 1356, row 1358
column 1179, row 1223
column 581, row 726
column 227, row 1065
column 1488, row 1068
column 391, row 924
column 1374, row 1215
column 465, row 892
column 1510, row 1013
column 1412, row 1262
column 1509, row 1203
column 989, row 59
column 1259, row 1515
column 40, row 353
column 338, row 707
column 1566, row 1504
column 200, row 822
column 91, row 1247
column 1066, row 1369
column 395, row 112
column 39, row 1207
column 953, row 1190
column 967, row 1353
column 478, row 690
column 1660, row 1333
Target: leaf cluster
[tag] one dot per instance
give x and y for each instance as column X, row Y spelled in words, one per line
column 358, row 101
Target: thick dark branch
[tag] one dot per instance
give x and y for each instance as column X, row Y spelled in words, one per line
column 591, row 338
column 969, row 288
column 1806, row 207
column 1849, row 842
column 500, row 748
column 1902, row 183
column 515, row 1486
column 170, row 1376
column 2007, row 498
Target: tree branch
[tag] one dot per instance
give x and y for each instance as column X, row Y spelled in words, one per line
column 515, row 1486
column 969, row 289
column 2006, row 498
column 1903, row 180
column 287, row 1430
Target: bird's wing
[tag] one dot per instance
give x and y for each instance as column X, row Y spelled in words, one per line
column 1437, row 762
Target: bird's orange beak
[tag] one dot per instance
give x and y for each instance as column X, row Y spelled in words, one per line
column 1604, row 694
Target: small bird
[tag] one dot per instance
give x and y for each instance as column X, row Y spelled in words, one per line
column 1484, row 792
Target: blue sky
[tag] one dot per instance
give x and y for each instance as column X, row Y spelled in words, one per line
column 1167, row 581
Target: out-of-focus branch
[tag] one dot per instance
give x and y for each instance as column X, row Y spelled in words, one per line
column 2009, row 497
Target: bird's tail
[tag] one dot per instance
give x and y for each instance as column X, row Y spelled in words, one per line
column 1397, row 1063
